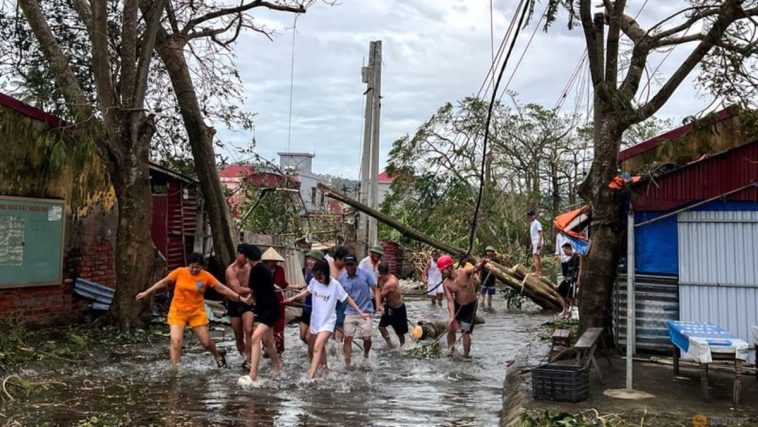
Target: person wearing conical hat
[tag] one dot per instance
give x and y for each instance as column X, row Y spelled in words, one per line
column 487, row 280
column 271, row 260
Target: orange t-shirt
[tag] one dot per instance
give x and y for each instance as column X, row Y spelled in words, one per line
column 189, row 290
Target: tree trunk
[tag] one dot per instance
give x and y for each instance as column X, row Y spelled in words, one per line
column 606, row 230
column 200, row 138
column 137, row 261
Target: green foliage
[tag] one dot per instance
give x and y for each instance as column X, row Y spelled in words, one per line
column 21, row 344
column 565, row 419
column 532, row 161
column 427, row 351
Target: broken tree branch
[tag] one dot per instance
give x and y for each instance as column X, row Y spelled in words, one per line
column 541, row 292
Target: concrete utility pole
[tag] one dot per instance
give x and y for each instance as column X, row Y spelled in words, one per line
column 369, row 191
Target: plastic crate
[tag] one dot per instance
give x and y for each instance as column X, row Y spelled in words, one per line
column 561, row 382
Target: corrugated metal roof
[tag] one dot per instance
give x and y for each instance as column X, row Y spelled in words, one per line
column 673, row 134
column 702, row 180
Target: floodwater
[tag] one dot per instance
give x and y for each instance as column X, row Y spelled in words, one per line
column 391, row 388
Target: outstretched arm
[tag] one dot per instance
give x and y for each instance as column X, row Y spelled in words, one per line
column 232, row 295
column 158, row 285
column 356, row 308
column 299, row 296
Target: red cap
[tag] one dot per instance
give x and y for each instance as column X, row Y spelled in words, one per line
column 444, row 262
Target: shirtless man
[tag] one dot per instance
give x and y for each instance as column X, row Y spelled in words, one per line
column 240, row 314
column 394, row 308
column 461, row 300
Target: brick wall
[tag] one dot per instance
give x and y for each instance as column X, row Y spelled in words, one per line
column 96, row 263
column 41, row 305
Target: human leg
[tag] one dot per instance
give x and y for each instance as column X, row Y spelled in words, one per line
column 273, row 352
column 318, row 352
column 204, row 337
column 537, row 264
column 260, row 330
column 247, row 326
column 466, row 338
column 239, row 336
column 175, row 349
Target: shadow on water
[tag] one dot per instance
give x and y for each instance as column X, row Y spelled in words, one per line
column 390, row 388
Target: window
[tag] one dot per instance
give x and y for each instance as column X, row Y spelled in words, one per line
column 313, row 195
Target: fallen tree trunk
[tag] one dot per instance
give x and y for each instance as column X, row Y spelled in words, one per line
column 543, row 294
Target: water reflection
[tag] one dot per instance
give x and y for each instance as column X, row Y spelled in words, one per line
column 391, row 388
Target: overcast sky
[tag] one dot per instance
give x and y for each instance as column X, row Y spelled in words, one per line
column 434, row 51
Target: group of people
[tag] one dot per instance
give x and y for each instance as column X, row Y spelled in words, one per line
column 341, row 295
column 565, row 253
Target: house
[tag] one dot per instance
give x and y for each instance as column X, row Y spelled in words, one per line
column 233, row 177
column 696, row 229
column 58, row 216
column 384, row 181
column 301, row 165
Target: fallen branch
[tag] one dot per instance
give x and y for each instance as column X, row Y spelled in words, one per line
column 539, row 290
column 5, row 389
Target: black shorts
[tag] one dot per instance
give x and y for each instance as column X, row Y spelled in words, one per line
column 395, row 317
column 566, row 289
column 565, row 269
column 237, row 309
column 306, row 318
column 465, row 315
column 267, row 314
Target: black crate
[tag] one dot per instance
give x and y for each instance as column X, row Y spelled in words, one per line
column 561, row 382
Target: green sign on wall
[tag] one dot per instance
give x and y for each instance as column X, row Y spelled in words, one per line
column 31, row 242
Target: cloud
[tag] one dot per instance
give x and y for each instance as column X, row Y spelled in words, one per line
column 433, row 52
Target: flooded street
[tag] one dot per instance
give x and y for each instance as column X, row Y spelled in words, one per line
column 392, row 388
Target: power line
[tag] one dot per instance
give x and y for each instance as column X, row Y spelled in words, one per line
column 472, row 232
column 526, row 48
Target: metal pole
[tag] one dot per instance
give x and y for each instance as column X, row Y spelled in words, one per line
column 367, row 77
column 376, row 112
column 630, row 312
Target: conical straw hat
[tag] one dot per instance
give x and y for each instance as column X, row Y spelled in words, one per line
column 271, row 255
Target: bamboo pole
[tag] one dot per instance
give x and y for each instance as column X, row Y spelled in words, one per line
column 542, row 293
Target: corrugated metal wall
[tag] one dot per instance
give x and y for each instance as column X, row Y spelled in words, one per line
column 656, row 302
column 718, row 269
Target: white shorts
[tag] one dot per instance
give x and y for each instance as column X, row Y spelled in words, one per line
column 536, row 251
column 437, row 291
column 357, row 327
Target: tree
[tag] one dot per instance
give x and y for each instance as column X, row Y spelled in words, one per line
column 209, row 30
column 716, row 30
column 121, row 53
column 534, row 158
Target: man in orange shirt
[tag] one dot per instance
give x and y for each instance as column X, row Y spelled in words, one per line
column 188, row 306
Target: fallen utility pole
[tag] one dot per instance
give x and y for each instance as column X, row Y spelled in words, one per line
column 538, row 289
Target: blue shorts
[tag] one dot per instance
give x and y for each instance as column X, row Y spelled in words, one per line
column 487, row 290
column 341, row 306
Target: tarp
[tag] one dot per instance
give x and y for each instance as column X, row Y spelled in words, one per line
column 572, row 225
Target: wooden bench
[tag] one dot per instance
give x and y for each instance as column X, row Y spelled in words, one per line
column 585, row 349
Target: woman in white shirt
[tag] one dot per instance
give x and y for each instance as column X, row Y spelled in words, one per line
column 326, row 291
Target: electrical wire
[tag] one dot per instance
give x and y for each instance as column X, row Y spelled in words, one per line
column 472, row 232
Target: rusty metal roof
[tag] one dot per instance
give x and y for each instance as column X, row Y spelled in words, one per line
column 703, row 179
